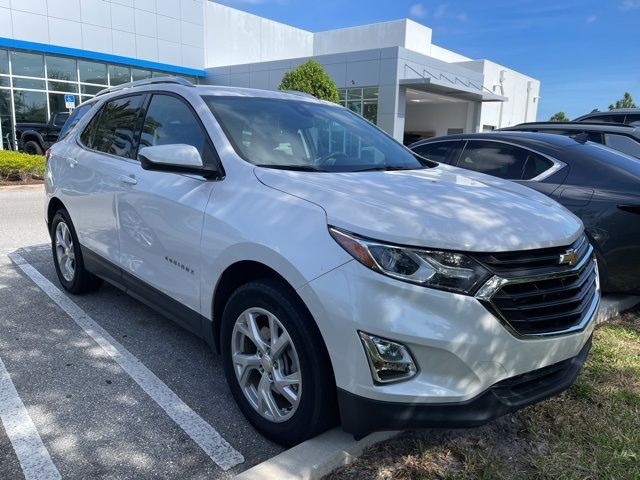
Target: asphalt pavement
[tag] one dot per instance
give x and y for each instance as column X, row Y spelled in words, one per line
column 99, row 385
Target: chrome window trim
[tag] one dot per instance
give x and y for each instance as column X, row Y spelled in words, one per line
column 492, row 286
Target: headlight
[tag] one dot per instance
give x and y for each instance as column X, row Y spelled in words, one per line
column 450, row 271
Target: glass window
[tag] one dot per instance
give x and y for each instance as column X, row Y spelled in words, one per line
column 28, row 83
column 116, row 128
column 57, row 103
column 454, row 131
column 169, row 120
column 119, row 75
column 90, row 89
column 6, row 120
column 535, row 165
column 438, row 151
column 92, row 72
column 370, row 93
column 623, row 144
column 4, row 62
column 85, row 98
column 634, row 118
column 497, row 159
column 61, row 68
column 293, row 134
column 30, row 106
column 73, row 120
column 63, row 86
column 139, row 74
column 354, row 94
column 4, row 81
column 27, row 64
column 370, row 110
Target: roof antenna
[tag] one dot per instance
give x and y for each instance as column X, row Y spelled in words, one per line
column 582, row 137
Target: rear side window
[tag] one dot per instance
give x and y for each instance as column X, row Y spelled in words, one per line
column 608, row 118
column 169, row 121
column 441, row 152
column 503, row 160
column 115, row 127
column 73, row 120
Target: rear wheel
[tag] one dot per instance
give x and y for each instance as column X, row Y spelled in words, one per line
column 32, row 148
column 67, row 257
column 275, row 363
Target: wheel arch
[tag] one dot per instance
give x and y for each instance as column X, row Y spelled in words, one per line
column 29, row 135
column 54, row 205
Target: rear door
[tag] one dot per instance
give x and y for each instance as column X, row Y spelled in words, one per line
column 96, row 170
column 161, row 214
column 512, row 162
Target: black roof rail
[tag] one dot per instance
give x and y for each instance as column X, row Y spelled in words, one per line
column 572, row 124
column 299, row 93
column 147, row 81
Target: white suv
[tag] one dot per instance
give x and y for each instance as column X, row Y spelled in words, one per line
column 337, row 272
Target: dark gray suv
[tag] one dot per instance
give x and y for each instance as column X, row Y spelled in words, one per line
column 630, row 116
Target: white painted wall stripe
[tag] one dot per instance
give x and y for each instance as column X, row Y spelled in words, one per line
column 214, row 445
column 34, row 458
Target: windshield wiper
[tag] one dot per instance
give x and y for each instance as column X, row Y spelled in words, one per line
column 298, row 168
column 387, row 168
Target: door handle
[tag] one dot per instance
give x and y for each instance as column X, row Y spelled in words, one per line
column 128, row 180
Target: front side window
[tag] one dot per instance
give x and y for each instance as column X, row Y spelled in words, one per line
column 115, row 129
column 169, row 121
column 440, row 152
column 503, row 160
column 300, row 135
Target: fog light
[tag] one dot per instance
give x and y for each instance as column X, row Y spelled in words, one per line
column 389, row 361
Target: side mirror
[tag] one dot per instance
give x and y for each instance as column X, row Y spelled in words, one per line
column 178, row 158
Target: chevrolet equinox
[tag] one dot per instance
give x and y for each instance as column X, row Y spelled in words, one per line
column 339, row 275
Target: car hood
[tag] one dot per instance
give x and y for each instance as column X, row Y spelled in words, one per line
column 442, row 207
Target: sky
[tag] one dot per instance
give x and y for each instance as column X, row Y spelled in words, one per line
column 586, row 53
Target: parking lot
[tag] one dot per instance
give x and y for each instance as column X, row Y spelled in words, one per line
column 100, row 385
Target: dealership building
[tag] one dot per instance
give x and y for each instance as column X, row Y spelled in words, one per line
column 391, row 72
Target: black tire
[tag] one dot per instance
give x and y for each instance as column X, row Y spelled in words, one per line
column 83, row 281
column 317, row 410
column 32, row 148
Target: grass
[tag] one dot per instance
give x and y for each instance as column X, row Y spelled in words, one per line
column 591, row 431
column 20, row 167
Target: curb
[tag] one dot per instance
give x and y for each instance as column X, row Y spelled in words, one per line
column 31, row 186
column 613, row 305
column 313, row 459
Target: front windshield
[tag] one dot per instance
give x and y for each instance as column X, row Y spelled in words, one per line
column 301, row 135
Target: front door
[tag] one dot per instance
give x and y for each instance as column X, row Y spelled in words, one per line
column 161, row 214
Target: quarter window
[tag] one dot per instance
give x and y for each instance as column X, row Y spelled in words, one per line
column 623, row 144
column 169, row 121
column 115, row 131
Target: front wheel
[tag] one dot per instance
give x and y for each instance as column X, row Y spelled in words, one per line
column 67, row 257
column 275, row 363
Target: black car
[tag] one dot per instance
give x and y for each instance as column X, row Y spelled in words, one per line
column 630, row 116
column 598, row 184
column 36, row 138
column 624, row 138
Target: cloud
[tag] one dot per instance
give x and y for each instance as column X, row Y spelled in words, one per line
column 630, row 4
column 591, row 18
column 443, row 12
column 417, row 10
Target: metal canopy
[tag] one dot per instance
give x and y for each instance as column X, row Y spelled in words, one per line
column 459, row 91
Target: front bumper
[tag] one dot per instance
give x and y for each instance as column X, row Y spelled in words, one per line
column 361, row 415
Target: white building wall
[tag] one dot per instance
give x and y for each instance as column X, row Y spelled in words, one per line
column 164, row 31
column 234, row 37
column 522, row 92
column 397, row 33
column 438, row 117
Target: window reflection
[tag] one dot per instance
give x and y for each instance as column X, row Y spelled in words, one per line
column 30, row 106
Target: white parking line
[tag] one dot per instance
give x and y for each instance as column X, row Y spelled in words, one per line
column 216, row 447
column 34, row 458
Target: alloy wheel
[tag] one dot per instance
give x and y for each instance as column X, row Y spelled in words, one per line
column 266, row 364
column 65, row 252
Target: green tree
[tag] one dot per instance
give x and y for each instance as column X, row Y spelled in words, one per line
column 559, row 117
column 625, row 102
column 311, row 78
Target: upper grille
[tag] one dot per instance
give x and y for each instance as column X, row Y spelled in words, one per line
column 531, row 262
column 537, row 296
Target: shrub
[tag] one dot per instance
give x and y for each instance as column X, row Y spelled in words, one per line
column 311, row 78
column 15, row 166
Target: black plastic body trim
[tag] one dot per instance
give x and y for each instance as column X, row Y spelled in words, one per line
column 361, row 416
column 172, row 309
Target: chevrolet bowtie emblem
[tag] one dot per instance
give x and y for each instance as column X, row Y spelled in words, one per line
column 570, row 257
